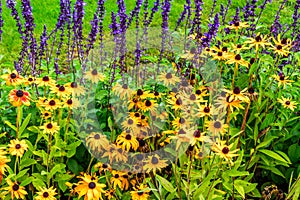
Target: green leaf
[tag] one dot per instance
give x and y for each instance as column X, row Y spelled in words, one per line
column 235, row 173
column 21, row 174
column 294, row 152
column 11, row 125
column 274, row 155
column 267, row 121
column 240, row 190
column 267, row 142
column 27, row 181
column 24, row 124
column 165, row 183
column 273, row 170
column 27, row 162
column 57, row 168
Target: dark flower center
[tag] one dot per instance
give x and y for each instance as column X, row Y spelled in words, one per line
column 128, row 137
column 287, row 102
column 200, row 154
column 217, row 124
column 15, row 187
column 19, row 93
column 236, row 23
column 70, row 102
column 156, row 93
column 236, row 90
column 239, row 46
column 220, row 53
column 94, row 72
column 62, row 89
column 92, row 185
column 140, row 157
column 125, row 86
column 18, row 146
column 148, row 103
column 284, row 41
column 193, row 50
column 52, row 103
column 46, row 78
column 154, row 160
column 30, row 79
column 13, row 76
column 238, row 57
column 45, row 194
column 197, row 133
column 224, row 49
column 104, row 165
column 206, row 109
column 279, row 47
column 143, row 117
column 117, row 176
column 178, row 102
column 181, row 120
column 252, row 60
column 207, row 49
column 49, row 126
column 223, row 94
column 251, row 90
column 181, row 132
column 120, row 150
column 258, row 39
column 192, row 97
column 169, row 75
column 125, row 176
column 281, row 77
column 140, row 193
column 198, row 92
column 74, row 85
column 130, row 121
column 46, row 114
column 140, row 92
column 137, row 114
column 225, row 150
column 97, row 136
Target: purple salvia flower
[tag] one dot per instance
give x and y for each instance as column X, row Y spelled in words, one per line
column 186, row 11
column 101, row 13
column 43, row 44
column 252, row 16
column 93, row 33
column 1, row 20
column 212, row 9
column 247, row 11
column 212, row 31
column 14, row 13
column 148, row 21
column 296, row 16
column 123, row 28
column 166, row 7
column 276, row 26
column 196, row 24
column 226, row 11
column 135, row 12
column 78, row 15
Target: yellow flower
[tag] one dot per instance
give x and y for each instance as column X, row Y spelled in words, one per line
column 46, row 194
column 127, row 141
column 102, row 167
column 224, row 151
column 280, row 50
column 287, row 103
column 149, row 105
column 61, row 91
column 238, row 48
column 237, row 59
column 216, row 127
column 115, row 154
column 50, row 128
column 46, row 114
column 51, row 104
column 71, row 103
column 220, row 53
column 94, row 76
column 238, row 25
column 168, row 79
column 110, row 194
column 282, row 80
column 15, row 190
column 3, row 161
column 12, row 78
column 89, row 188
column 29, row 81
column 118, row 179
column 96, row 141
column 258, row 41
column 19, row 97
column 140, row 192
column 17, row 147
column 123, row 91
column 222, row 103
column 238, row 94
column 154, row 163
column 75, row 88
column 45, row 81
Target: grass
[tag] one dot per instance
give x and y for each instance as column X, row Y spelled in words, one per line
column 47, row 11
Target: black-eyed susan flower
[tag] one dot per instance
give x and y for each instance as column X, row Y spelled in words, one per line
column 50, row 128
column 197, row 136
column 176, row 103
column 15, row 190
column 154, row 163
column 94, row 76
column 46, row 194
column 216, row 127
column 52, row 104
column 46, row 114
column 3, row 161
column 118, row 180
column 89, row 188
column 287, row 103
column 75, row 88
column 238, row 94
column 123, row 91
column 115, row 154
column 204, row 110
column 258, row 41
column 19, row 97
column 237, row 48
column 96, row 141
column 140, row 192
column 224, row 151
column 109, row 194
column 283, row 42
column 237, row 59
column 282, row 80
column 61, row 91
column 127, row 141
column 180, row 122
column 280, row 49
column 28, row 81
column 149, row 105
column 220, row 53
column 223, row 103
column 168, row 79
column 12, row 78
column 238, row 25
column 102, row 167
column 17, row 148
column 71, row 103
column 45, row 81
